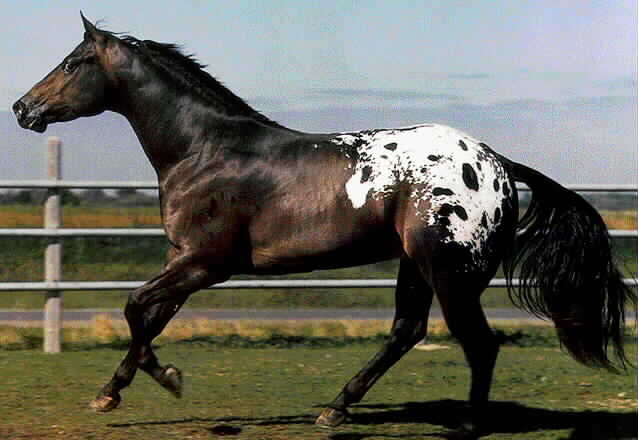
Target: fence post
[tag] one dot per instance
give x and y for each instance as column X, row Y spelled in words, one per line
column 53, row 252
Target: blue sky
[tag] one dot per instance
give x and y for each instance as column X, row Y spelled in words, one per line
column 476, row 50
column 556, row 74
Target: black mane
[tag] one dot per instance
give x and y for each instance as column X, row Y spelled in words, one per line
column 187, row 72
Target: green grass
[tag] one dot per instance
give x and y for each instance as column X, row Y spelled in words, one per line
column 275, row 393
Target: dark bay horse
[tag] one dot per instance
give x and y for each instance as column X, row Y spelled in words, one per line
column 241, row 194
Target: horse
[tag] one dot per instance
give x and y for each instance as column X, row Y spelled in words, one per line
column 242, row 194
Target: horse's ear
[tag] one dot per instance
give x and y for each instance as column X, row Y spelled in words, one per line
column 90, row 31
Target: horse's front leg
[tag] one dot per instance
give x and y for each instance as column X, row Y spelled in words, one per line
column 147, row 312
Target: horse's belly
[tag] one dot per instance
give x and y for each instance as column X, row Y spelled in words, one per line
column 326, row 245
column 266, row 264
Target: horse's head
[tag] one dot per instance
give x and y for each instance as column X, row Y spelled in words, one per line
column 79, row 86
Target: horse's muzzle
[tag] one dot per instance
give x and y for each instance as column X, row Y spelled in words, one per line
column 29, row 119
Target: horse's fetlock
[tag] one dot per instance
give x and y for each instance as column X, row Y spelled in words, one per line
column 354, row 391
column 147, row 360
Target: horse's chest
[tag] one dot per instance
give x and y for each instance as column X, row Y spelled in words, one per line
column 198, row 218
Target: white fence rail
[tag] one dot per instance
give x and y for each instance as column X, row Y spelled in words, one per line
column 53, row 284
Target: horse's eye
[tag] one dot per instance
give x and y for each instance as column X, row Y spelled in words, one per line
column 70, row 65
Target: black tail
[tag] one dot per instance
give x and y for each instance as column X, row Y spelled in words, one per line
column 566, row 271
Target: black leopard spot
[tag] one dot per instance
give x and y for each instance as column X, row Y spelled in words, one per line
column 391, row 146
column 446, row 209
column 460, row 211
column 442, row 191
column 469, row 177
column 365, row 173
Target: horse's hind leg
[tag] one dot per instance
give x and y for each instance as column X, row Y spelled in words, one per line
column 458, row 280
column 413, row 301
column 467, row 323
column 147, row 312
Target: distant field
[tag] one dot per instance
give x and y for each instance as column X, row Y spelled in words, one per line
column 621, row 219
column 93, row 259
column 30, row 216
column 272, row 393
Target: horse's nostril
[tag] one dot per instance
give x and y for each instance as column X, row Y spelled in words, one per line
column 20, row 109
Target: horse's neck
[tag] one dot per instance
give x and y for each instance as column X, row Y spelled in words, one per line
column 171, row 127
column 172, row 124
column 159, row 133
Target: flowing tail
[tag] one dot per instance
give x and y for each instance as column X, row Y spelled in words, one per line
column 566, row 271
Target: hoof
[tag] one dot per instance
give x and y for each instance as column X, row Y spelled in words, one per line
column 171, row 379
column 331, row 418
column 103, row 404
column 469, row 430
column 474, row 425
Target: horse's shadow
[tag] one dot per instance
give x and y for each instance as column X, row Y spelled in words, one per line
column 502, row 418
column 507, row 417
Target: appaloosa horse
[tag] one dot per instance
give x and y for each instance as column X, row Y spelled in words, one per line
column 241, row 194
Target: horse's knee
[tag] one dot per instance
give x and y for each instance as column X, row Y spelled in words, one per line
column 136, row 304
column 134, row 301
column 133, row 309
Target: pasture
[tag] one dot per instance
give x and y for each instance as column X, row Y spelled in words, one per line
column 260, row 390
column 271, row 382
